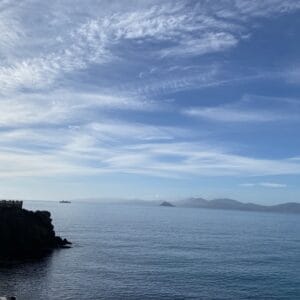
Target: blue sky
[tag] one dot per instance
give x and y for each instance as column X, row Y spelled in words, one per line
column 150, row 99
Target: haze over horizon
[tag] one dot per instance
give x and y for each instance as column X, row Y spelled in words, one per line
column 150, row 99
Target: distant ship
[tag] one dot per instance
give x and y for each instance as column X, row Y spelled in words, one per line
column 64, row 201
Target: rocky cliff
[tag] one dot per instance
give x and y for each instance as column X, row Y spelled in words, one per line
column 27, row 234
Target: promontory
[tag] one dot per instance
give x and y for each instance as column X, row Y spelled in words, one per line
column 26, row 234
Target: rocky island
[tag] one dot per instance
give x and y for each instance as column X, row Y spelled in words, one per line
column 167, row 204
column 26, row 234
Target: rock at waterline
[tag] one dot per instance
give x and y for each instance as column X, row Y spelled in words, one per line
column 167, row 204
column 27, row 234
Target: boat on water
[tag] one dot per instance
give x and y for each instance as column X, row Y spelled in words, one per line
column 64, row 201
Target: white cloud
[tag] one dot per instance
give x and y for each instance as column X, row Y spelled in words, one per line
column 32, row 164
column 248, row 184
column 266, row 8
column 232, row 115
column 42, row 71
column 292, row 75
column 190, row 158
column 136, row 131
column 244, row 10
column 118, row 147
column 208, row 43
column 273, row 185
column 62, row 106
column 182, row 30
column 250, row 109
column 11, row 33
column 265, row 184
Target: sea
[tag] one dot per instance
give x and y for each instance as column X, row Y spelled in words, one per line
column 123, row 251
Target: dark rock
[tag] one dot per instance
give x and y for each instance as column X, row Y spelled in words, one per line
column 167, row 204
column 27, row 234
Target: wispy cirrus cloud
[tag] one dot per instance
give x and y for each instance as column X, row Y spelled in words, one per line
column 251, row 108
column 11, row 34
column 265, row 8
column 182, row 29
column 224, row 114
column 273, row 185
column 208, row 43
column 130, row 148
column 64, row 107
column 94, row 42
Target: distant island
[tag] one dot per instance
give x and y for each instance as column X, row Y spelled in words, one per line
column 65, row 201
column 26, row 234
column 230, row 204
column 167, row 204
column 222, row 203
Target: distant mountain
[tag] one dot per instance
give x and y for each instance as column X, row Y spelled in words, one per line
column 290, row 207
column 167, row 204
column 222, row 203
column 230, row 204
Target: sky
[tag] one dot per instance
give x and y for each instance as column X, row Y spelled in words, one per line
column 150, row 99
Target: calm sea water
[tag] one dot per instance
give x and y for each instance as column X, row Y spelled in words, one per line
column 137, row 252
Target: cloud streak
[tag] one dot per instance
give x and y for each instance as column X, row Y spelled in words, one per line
column 250, row 109
column 63, row 107
column 265, row 184
column 126, row 148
